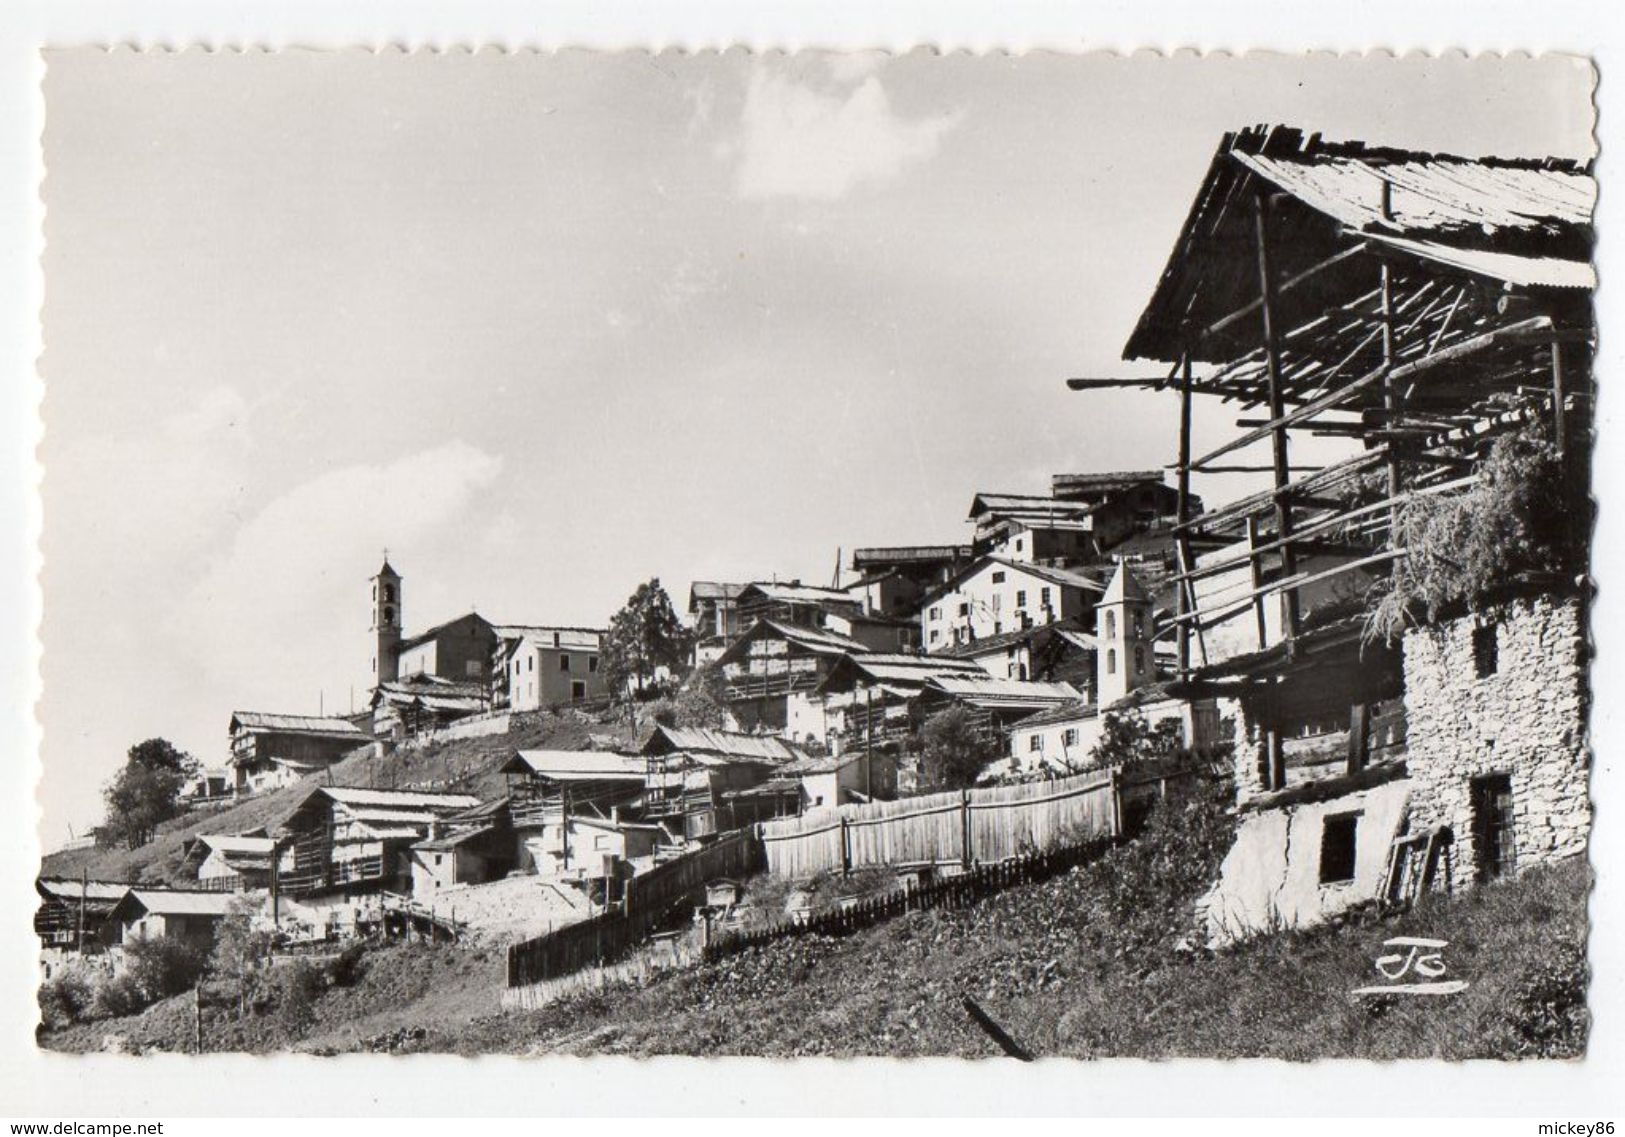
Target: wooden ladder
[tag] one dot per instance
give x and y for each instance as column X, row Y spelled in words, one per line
column 1412, row 861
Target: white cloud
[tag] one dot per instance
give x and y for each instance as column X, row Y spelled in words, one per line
column 282, row 605
column 798, row 142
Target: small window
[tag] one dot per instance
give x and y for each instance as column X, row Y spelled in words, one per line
column 578, row 690
column 964, row 609
column 1043, row 597
column 1035, row 742
column 936, row 613
column 564, row 663
column 1069, row 736
column 1111, row 661
column 389, row 593
column 1021, row 598
column 1139, row 624
column 1111, row 625
column 600, row 843
column 556, row 640
column 1139, row 659
column 592, row 665
column 1337, row 847
column 1486, row 650
column 1018, row 544
column 998, row 578
column 935, row 634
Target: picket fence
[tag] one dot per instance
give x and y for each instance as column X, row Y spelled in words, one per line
column 648, row 901
column 965, row 828
column 951, row 892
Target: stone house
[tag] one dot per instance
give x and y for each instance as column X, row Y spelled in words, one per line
column 536, row 667
column 1497, row 706
column 995, row 595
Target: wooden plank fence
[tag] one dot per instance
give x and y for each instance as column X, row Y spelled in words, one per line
column 648, row 900
column 966, row 828
column 952, row 892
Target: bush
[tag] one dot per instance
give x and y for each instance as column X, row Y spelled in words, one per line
column 1526, row 519
column 1546, row 1015
column 65, row 1000
column 346, row 969
column 297, row 988
column 117, row 996
column 953, row 750
column 160, row 966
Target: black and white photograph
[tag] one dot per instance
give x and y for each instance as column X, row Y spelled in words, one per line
column 817, row 554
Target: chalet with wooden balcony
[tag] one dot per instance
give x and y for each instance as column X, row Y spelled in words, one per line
column 73, row 914
column 340, row 842
column 692, row 774
column 770, row 674
column 222, row 862
column 892, row 580
column 269, row 751
column 546, row 788
column 870, row 700
column 713, row 615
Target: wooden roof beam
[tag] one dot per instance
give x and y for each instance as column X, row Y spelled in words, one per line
column 1511, row 333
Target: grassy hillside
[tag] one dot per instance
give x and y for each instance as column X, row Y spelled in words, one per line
column 463, row 765
column 1095, row 963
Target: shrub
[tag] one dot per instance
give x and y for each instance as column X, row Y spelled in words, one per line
column 1546, row 1015
column 117, row 996
column 160, row 966
column 346, row 968
column 65, row 1000
column 297, row 988
column 1525, row 519
column 953, row 750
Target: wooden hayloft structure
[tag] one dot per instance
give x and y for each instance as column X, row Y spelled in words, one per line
column 1414, row 306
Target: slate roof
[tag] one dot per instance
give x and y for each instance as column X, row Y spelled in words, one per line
column 577, row 765
column 257, row 722
column 1515, row 221
column 726, row 743
column 162, row 902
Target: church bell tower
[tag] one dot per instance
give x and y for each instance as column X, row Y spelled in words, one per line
column 386, row 624
column 1123, row 660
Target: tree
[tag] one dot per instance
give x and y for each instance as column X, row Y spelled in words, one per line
column 147, row 791
column 645, row 637
column 1126, row 739
column 953, row 750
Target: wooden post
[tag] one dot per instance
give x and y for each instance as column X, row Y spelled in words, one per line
column 1359, row 736
column 1272, row 362
column 84, row 885
column 197, row 1018
column 966, row 853
column 1116, row 802
column 1184, row 595
column 1559, row 431
column 1390, row 390
column 846, row 848
column 1277, row 760
column 1256, row 571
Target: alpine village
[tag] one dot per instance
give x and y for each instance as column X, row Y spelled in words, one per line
column 1126, row 773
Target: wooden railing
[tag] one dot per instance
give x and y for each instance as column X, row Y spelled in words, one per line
column 650, row 900
column 949, row 892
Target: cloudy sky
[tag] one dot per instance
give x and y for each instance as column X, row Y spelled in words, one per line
column 546, row 326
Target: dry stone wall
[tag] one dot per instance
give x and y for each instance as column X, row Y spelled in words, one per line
column 1524, row 717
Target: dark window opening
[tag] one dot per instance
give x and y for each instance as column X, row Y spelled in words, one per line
column 1486, row 650
column 1495, row 850
column 1337, row 848
column 564, row 663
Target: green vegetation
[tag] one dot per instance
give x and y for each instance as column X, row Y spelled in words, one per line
column 1526, row 520
column 644, row 638
column 953, row 751
column 147, row 791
